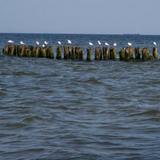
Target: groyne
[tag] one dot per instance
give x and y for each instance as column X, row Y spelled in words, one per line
column 70, row 52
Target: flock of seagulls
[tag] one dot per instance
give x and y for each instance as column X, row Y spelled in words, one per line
column 70, row 42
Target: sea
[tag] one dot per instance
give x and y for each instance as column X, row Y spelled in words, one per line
column 79, row 110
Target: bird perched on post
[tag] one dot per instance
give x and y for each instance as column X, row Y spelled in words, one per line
column 99, row 43
column 106, row 44
column 90, row 43
column 69, row 41
column 129, row 44
column 59, row 42
column 154, row 43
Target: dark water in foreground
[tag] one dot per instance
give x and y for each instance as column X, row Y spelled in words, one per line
column 78, row 110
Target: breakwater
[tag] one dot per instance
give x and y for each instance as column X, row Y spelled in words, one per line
column 70, row 52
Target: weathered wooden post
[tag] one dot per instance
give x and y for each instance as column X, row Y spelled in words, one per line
column 98, row 54
column 43, row 52
column 32, row 49
column 112, row 53
column 21, row 50
column 89, row 54
column 49, row 52
column 106, row 53
column 122, row 54
column 38, row 50
column 81, row 54
column 145, row 54
column 129, row 54
column 137, row 53
column 73, row 55
column 66, row 52
column 70, row 52
column 155, row 53
column 77, row 53
column 59, row 53
column 11, row 50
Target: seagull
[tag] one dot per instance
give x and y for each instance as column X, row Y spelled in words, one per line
column 129, row 44
column 69, row 41
column 106, row 44
column 43, row 46
column 10, row 41
column 114, row 44
column 37, row 43
column 46, row 43
column 22, row 43
column 99, row 42
column 59, row 42
column 154, row 43
column 90, row 43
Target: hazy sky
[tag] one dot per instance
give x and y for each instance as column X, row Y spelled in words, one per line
column 80, row 16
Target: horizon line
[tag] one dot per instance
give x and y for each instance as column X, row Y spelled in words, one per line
column 123, row 34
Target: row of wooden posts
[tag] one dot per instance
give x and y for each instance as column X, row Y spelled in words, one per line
column 78, row 53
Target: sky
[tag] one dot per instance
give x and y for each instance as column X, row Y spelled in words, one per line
column 80, row 16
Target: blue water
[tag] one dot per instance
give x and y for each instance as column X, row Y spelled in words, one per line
column 79, row 110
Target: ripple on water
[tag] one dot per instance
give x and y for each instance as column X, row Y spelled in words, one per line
column 72, row 110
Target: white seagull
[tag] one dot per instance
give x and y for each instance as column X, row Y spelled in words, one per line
column 99, row 43
column 43, row 46
column 37, row 43
column 46, row 43
column 106, row 44
column 114, row 44
column 69, row 41
column 154, row 43
column 10, row 41
column 22, row 43
column 90, row 43
column 129, row 44
column 59, row 42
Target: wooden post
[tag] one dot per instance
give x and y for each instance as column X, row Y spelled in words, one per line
column 98, row 54
column 145, row 54
column 81, row 54
column 89, row 54
column 106, row 53
column 155, row 53
column 129, row 54
column 59, row 53
column 122, row 54
column 73, row 55
column 49, row 52
column 112, row 53
column 66, row 52
column 137, row 53
column 70, row 52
